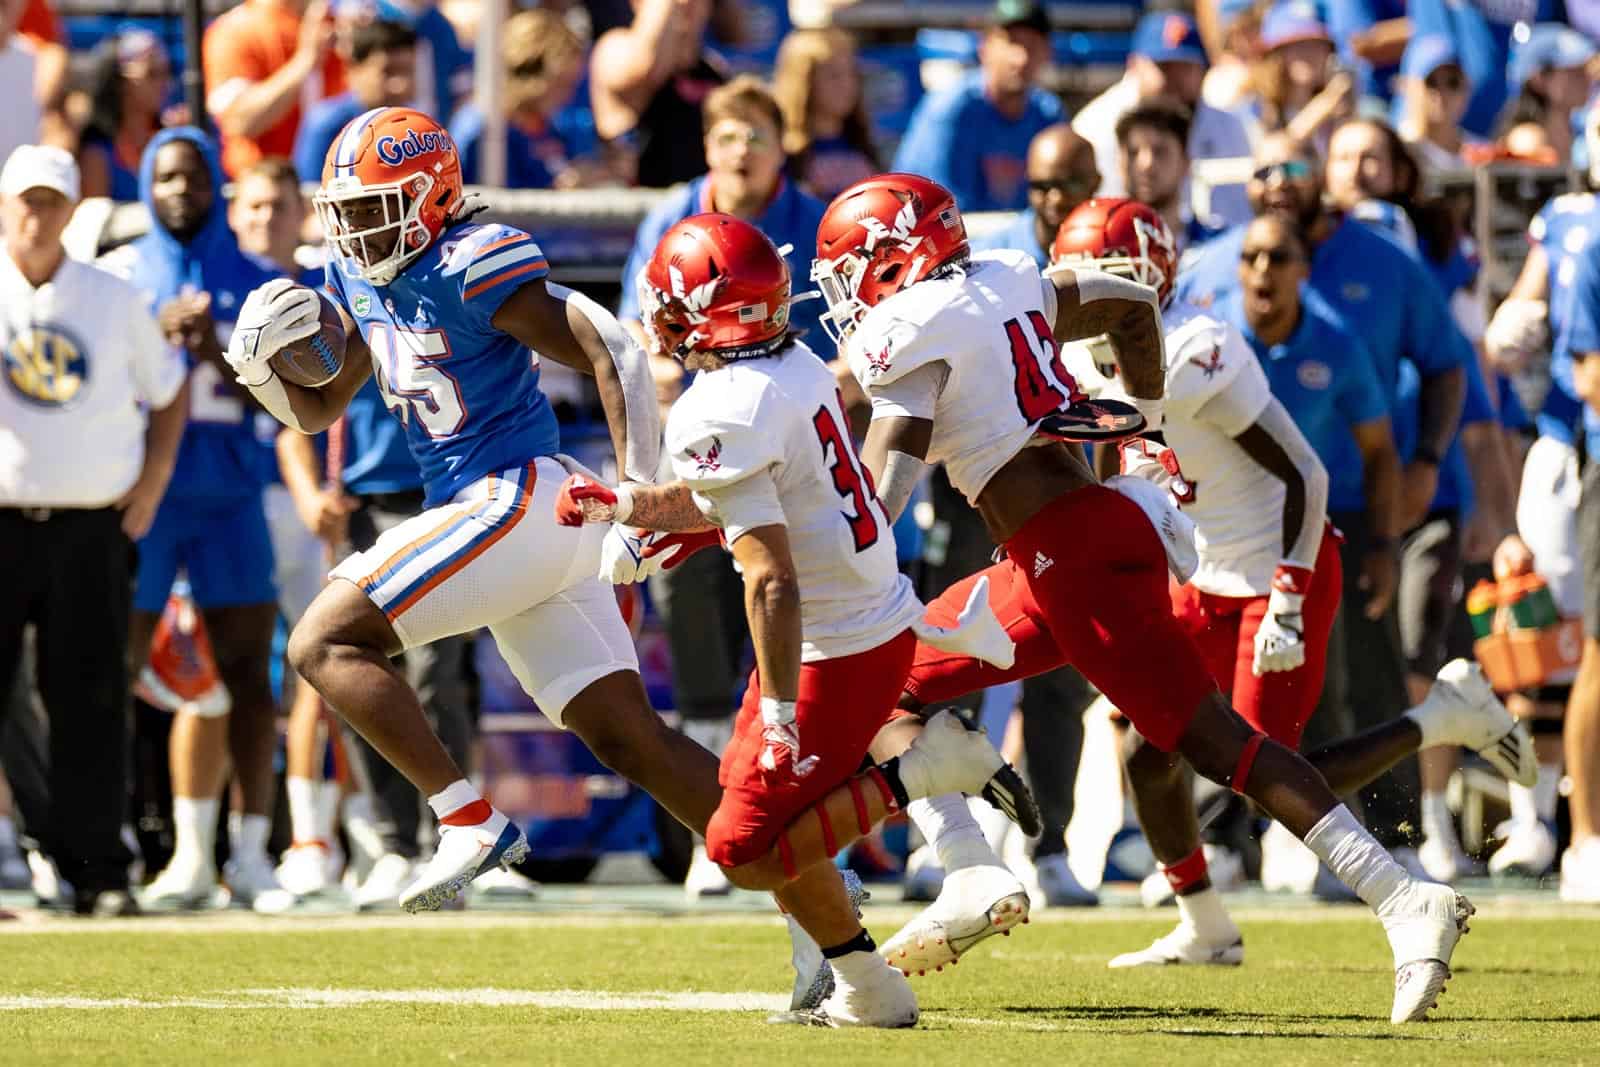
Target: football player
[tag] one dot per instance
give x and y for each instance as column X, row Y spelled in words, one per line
column 1261, row 605
column 761, row 451
column 960, row 356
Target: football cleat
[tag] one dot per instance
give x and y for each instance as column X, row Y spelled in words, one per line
column 383, row 885
column 813, row 977
column 464, row 852
column 184, row 885
column 1529, row 849
column 705, row 878
column 309, row 868
column 1580, row 873
column 1185, row 946
column 248, row 877
column 975, row 903
column 506, row 884
column 1423, row 923
column 1050, row 882
column 883, row 1000
column 951, row 757
column 1461, row 709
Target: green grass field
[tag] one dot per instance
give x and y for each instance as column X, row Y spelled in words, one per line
column 607, row 987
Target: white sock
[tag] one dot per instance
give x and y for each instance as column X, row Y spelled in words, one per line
column 326, row 810
column 1204, row 912
column 857, row 968
column 1355, row 857
column 303, row 809
column 993, row 822
column 194, row 828
column 452, row 798
column 947, row 824
column 248, row 834
column 1437, row 822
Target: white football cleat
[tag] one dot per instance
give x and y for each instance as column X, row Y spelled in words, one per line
column 310, row 868
column 463, row 853
column 1580, row 873
column 52, row 890
column 1461, row 709
column 248, row 877
column 1443, row 858
column 1053, row 884
column 705, row 878
column 950, row 757
column 1423, row 923
column 185, row 883
column 504, row 883
column 1529, row 849
column 884, row 1000
column 1185, row 946
column 388, row 879
column 975, row 903
column 924, row 876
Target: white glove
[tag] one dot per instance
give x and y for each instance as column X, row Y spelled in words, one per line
column 1516, row 332
column 780, row 737
column 1280, row 639
column 1148, row 456
column 622, row 558
column 977, row 631
column 272, row 316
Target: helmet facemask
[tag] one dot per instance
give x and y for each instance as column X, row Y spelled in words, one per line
column 375, row 253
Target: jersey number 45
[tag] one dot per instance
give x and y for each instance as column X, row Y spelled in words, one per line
column 413, row 383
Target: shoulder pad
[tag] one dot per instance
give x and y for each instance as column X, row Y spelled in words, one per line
column 462, row 245
column 715, row 433
column 1203, row 358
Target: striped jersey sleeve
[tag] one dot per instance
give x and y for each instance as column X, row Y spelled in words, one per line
column 493, row 262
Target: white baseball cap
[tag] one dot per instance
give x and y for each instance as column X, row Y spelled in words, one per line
column 33, row 166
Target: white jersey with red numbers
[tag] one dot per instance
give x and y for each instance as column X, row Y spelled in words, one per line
column 987, row 334
column 765, row 442
column 1215, row 390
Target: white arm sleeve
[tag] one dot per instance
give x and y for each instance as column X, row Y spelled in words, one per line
column 638, row 387
column 742, row 506
column 914, row 395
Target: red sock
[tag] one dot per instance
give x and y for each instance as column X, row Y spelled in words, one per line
column 1187, row 872
column 470, row 814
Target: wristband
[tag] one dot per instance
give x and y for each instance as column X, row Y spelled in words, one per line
column 1154, row 411
column 623, row 510
column 775, row 711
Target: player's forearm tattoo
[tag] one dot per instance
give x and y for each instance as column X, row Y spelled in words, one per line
column 1134, row 326
column 668, row 508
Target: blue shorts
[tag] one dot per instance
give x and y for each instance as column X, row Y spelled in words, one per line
column 223, row 546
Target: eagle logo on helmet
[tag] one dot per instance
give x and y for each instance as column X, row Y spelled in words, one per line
column 695, row 300
column 1159, row 236
column 711, row 461
column 904, row 220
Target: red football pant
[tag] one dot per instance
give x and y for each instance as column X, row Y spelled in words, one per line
column 1083, row 582
column 1279, row 703
column 843, row 704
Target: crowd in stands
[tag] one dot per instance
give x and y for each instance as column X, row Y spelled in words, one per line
column 1357, row 287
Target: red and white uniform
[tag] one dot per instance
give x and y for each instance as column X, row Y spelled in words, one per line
column 1215, row 391
column 1085, row 580
column 765, row 442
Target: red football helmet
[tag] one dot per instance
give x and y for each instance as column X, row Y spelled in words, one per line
column 390, row 186
column 879, row 236
column 1119, row 236
column 715, row 284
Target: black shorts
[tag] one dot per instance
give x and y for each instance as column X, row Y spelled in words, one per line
column 1431, row 591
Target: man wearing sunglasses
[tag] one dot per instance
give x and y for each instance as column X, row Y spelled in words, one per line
column 1390, row 300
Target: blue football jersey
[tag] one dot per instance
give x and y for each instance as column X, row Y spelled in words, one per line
column 466, row 393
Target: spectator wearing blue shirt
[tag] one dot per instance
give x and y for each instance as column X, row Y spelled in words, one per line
column 543, row 62
column 1580, row 340
column 1481, row 31
column 444, row 67
column 972, row 137
column 1153, row 161
column 381, row 70
column 1061, row 175
column 1166, row 61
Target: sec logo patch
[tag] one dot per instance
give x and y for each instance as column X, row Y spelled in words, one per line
column 1314, row 374
column 45, row 366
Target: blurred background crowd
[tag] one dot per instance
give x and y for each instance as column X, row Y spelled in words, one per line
column 1465, row 132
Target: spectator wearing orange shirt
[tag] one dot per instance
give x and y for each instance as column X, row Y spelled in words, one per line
column 266, row 61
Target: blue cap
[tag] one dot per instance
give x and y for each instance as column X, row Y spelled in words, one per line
column 1426, row 54
column 1294, row 20
column 1168, row 37
column 1547, row 46
column 1228, row 10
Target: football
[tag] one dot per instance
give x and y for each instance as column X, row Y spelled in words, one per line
column 316, row 360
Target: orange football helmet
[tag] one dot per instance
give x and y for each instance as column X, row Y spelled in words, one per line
column 390, row 185
column 1119, row 236
column 879, row 236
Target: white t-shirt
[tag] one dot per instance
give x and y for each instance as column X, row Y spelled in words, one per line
column 765, row 442
column 81, row 360
column 990, row 330
column 1215, row 391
